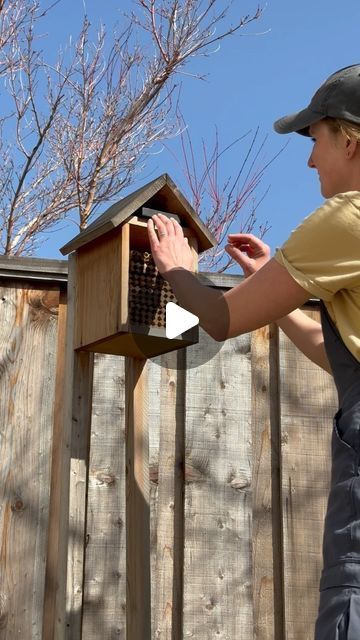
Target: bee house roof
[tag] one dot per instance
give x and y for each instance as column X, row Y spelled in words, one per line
column 161, row 194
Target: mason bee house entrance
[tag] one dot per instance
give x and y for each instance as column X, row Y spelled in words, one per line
column 119, row 298
column 149, row 293
column 127, row 313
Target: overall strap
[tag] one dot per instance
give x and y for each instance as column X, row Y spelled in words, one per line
column 344, row 365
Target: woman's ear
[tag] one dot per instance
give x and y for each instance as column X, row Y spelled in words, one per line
column 351, row 148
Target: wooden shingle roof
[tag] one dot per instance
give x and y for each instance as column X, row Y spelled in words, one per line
column 161, row 194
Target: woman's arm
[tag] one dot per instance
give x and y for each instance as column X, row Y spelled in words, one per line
column 251, row 253
column 268, row 293
column 307, row 335
column 265, row 296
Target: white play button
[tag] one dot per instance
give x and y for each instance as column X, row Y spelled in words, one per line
column 178, row 320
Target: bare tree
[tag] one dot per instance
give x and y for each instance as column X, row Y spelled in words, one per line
column 102, row 112
column 222, row 201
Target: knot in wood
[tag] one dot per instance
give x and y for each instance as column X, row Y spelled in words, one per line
column 210, row 605
column 43, row 304
column 17, row 505
column 106, row 478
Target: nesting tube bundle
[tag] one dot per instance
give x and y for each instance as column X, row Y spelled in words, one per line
column 149, row 293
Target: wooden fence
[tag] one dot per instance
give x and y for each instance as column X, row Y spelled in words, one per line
column 238, row 471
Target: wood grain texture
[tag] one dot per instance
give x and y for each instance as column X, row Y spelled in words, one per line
column 153, row 401
column 308, row 402
column 168, row 576
column 57, row 628
column 206, row 469
column 79, row 466
column 98, row 289
column 104, row 611
column 218, row 528
column 138, row 593
column 28, row 331
column 60, row 444
column 266, row 512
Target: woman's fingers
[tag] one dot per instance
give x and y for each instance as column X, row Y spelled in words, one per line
column 177, row 228
column 245, row 238
column 164, row 225
column 252, row 245
column 245, row 262
column 154, row 241
column 236, row 251
column 243, row 247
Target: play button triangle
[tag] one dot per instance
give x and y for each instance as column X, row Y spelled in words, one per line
column 178, row 320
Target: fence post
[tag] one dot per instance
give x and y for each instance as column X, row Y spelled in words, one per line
column 67, row 518
column 138, row 598
column 267, row 518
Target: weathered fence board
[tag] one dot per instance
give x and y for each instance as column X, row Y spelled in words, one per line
column 27, row 365
column 54, row 607
column 231, row 491
column 105, row 568
column 138, row 574
column 308, row 402
column 168, row 576
column 218, row 531
column 266, row 511
column 154, row 399
column 79, row 466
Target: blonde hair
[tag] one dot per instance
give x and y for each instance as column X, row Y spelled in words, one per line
column 349, row 129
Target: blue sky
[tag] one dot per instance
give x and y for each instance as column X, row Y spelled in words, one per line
column 269, row 71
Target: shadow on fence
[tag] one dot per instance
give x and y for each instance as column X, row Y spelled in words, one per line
column 238, row 449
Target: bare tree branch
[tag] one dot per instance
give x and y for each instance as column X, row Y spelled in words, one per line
column 105, row 107
column 222, row 202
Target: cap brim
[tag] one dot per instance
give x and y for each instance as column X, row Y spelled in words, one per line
column 298, row 122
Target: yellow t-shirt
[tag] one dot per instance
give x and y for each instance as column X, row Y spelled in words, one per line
column 323, row 256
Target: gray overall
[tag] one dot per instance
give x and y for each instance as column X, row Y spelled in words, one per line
column 339, row 609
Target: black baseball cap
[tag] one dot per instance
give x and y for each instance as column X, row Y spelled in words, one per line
column 338, row 97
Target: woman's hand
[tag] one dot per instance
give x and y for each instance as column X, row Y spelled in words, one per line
column 169, row 248
column 250, row 252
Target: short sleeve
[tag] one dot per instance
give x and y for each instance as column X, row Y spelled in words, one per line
column 323, row 253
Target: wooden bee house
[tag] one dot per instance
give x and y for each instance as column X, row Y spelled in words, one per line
column 120, row 298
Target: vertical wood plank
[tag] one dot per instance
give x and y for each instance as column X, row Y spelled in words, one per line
column 79, row 465
column 64, row 455
column 267, row 523
column 59, row 446
column 308, row 402
column 28, row 331
column 56, row 628
column 138, row 595
column 71, row 431
column 154, row 399
column 104, row 611
column 218, row 528
column 98, row 269
column 170, row 507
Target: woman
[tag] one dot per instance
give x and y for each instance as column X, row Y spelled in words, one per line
column 321, row 258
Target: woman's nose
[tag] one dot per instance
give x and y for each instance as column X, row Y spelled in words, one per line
column 310, row 162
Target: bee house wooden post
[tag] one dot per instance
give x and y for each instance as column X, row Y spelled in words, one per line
column 116, row 303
